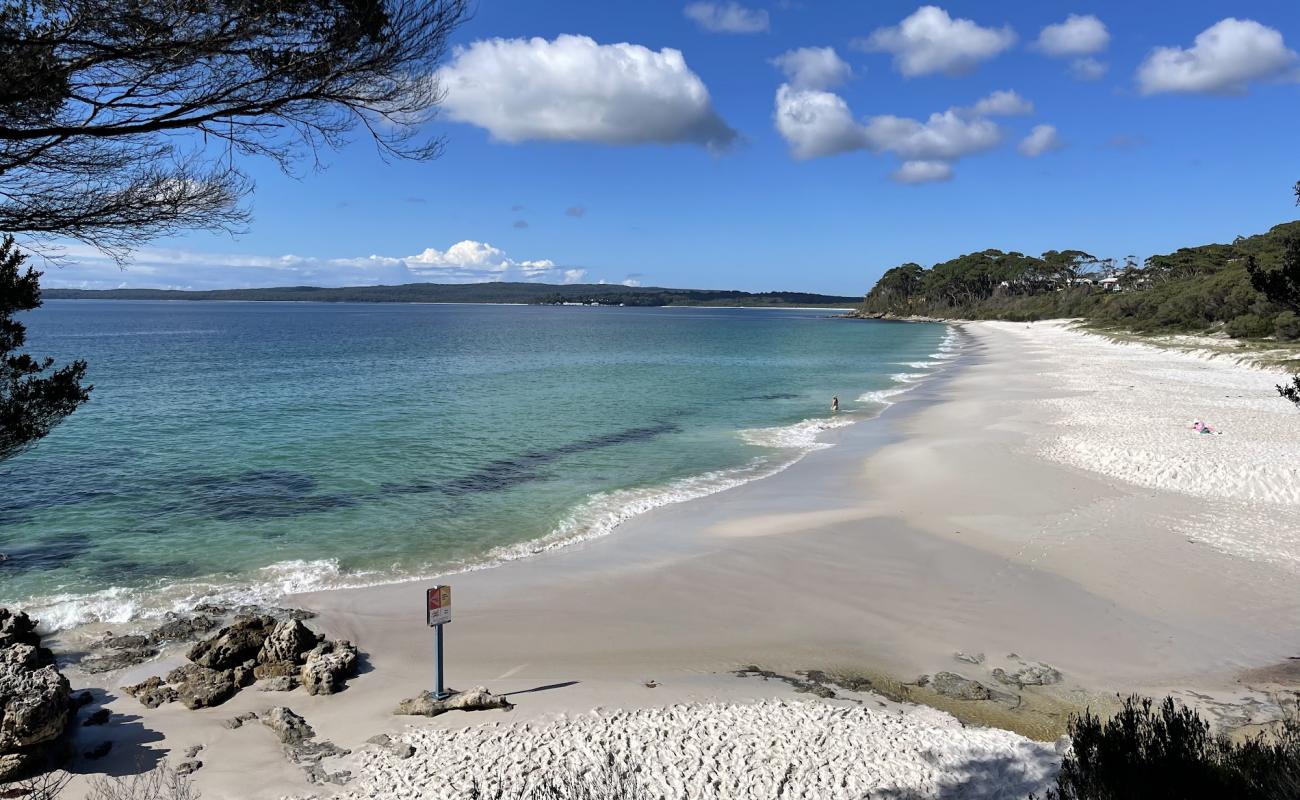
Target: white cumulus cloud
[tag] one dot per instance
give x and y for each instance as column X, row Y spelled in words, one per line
column 1002, row 103
column 466, row 261
column 1042, row 139
column 816, row 123
column 1224, row 59
column 730, row 17
column 1077, row 36
column 945, row 136
column 1088, row 69
column 931, row 41
column 574, row 89
column 923, row 172
column 813, row 67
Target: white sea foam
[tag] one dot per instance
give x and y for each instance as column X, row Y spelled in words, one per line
column 883, row 396
column 927, row 365
column 909, row 377
column 801, row 435
column 117, row 605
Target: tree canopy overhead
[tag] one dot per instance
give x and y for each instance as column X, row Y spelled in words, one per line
column 119, row 121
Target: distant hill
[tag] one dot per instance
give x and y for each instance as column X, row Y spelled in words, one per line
column 526, row 293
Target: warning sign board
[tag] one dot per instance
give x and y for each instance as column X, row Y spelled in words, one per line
column 438, row 604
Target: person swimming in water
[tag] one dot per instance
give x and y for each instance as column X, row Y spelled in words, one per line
column 835, row 404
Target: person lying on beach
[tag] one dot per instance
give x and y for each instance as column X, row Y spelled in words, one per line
column 1201, row 427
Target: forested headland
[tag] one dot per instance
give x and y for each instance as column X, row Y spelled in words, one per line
column 1209, row 288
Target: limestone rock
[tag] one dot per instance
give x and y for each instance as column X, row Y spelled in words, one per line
column 178, row 628
column 115, row 658
column 18, row 628
column 239, row 720
column 289, row 641
column 476, row 699
column 234, row 644
column 280, row 683
column 969, row 658
column 35, row 700
column 188, row 767
column 276, row 669
column 327, row 666
column 950, row 684
column 397, row 749
column 151, row 692
column 289, row 728
column 1029, row 675
column 200, row 687
column 98, row 718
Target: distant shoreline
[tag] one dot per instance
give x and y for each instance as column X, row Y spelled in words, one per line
column 770, row 307
column 483, row 294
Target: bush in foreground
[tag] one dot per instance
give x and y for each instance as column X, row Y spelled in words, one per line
column 1151, row 753
column 159, row 783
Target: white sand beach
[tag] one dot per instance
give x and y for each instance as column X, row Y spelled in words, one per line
column 1043, row 501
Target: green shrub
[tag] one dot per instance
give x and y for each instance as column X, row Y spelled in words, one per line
column 1286, row 325
column 1249, row 326
column 1146, row 753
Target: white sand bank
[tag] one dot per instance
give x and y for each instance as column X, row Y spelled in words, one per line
column 942, row 526
column 758, row 751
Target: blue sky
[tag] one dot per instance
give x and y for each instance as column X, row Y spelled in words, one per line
column 612, row 159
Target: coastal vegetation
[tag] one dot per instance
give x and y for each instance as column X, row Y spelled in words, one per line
column 495, row 292
column 34, row 397
column 1147, row 751
column 1209, row 288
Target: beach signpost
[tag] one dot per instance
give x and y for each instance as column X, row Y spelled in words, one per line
column 437, row 604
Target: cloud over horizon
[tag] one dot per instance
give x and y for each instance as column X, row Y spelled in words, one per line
column 573, row 89
column 467, row 261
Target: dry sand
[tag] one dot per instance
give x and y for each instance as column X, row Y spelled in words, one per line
column 1028, row 501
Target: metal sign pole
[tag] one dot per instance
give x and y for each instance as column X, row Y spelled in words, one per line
column 437, row 604
column 439, row 692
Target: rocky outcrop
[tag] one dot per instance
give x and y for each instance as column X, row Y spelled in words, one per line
column 298, row 740
column 283, row 653
column 18, row 628
column 288, row 642
column 234, row 644
column 950, row 684
column 289, row 728
column 179, row 628
column 394, row 747
column 476, row 699
column 151, row 692
column 36, row 702
column 199, row 687
column 328, row 665
column 1029, row 675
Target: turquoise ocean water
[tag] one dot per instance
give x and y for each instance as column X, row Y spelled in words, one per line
column 238, row 451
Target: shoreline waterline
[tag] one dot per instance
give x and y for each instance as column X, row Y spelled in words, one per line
column 599, row 515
